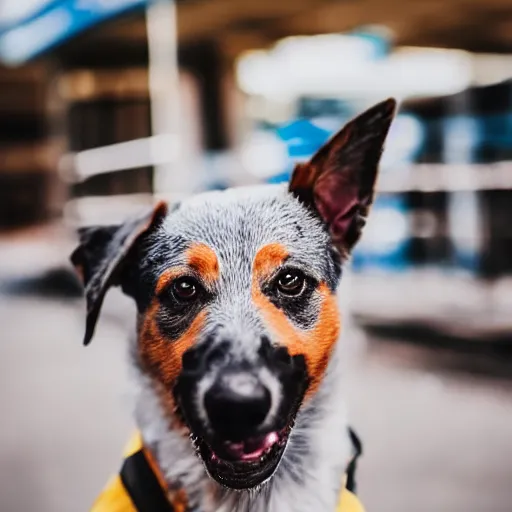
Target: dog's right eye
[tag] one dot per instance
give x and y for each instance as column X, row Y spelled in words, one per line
column 185, row 289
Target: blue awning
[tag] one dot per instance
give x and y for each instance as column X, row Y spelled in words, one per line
column 43, row 25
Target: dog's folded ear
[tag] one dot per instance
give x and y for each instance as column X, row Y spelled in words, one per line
column 338, row 182
column 101, row 255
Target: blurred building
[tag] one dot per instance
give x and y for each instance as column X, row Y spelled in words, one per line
column 106, row 103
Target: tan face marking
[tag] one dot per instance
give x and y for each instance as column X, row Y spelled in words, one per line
column 314, row 344
column 203, row 260
column 163, row 356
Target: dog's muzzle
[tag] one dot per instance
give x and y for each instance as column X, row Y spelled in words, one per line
column 237, row 404
column 240, row 413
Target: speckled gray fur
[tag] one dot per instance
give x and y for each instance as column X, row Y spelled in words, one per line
column 317, row 222
column 235, row 224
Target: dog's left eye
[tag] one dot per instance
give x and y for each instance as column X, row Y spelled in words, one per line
column 291, row 282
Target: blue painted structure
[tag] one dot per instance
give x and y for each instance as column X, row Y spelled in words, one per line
column 55, row 22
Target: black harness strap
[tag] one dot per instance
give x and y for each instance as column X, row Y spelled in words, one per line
column 142, row 485
column 351, row 470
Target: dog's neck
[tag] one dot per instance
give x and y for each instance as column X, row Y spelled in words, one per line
column 309, row 476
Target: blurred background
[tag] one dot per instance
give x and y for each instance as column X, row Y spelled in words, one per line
column 106, row 104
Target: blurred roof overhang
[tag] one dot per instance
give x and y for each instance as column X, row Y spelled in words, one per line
column 463, row 24
column 483, row 26
column 475, row 25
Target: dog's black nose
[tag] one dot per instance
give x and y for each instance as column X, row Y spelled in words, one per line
column 237, row 404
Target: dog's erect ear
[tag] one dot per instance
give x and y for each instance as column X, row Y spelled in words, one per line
column 338, row 182
column 100, row 256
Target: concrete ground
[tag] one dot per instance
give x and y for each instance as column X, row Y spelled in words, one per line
column 437, row 437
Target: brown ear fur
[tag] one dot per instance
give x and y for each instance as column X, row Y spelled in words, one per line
column 338, row 182
column 100, row 256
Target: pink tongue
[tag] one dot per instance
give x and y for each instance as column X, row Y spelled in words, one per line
column 251, row 450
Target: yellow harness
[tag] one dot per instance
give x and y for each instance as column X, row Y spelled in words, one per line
column 140, row 488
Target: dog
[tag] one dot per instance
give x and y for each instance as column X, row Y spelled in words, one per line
column 236, row 356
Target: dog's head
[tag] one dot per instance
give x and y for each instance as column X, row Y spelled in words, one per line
column 235, row 291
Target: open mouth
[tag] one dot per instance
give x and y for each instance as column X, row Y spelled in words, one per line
column 240, row 428
column 244, row 464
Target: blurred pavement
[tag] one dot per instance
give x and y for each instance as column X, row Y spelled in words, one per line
column 436, row 437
